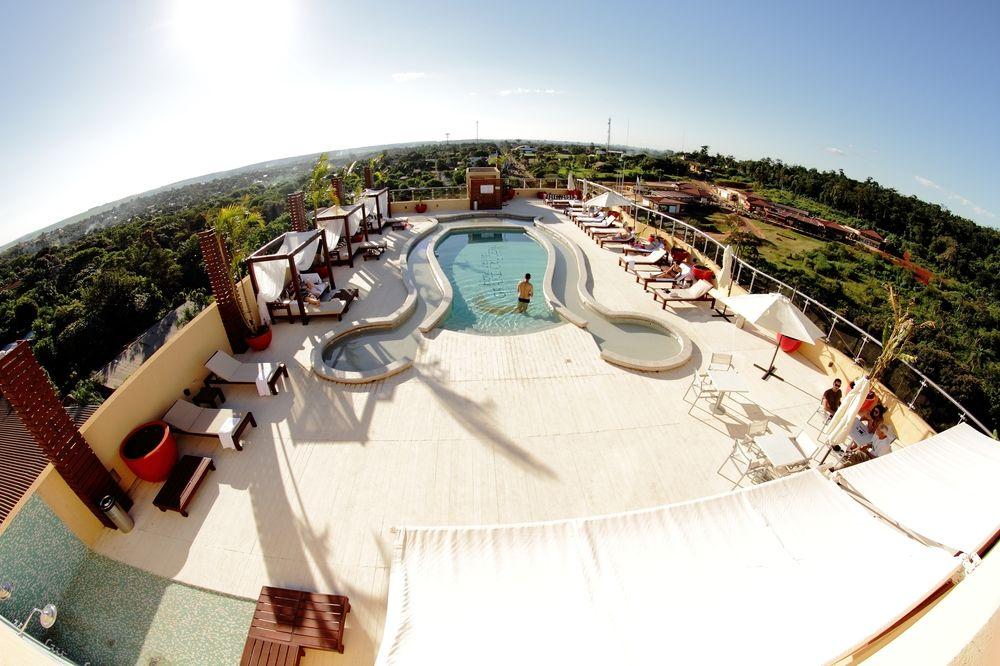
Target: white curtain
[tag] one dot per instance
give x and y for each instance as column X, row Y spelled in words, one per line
column 272, row 275
column 376, row 204
column 334, row 228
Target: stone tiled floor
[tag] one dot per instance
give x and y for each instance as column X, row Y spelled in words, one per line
column 480, row 430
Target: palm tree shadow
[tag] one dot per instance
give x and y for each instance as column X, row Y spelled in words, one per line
column 475, row 418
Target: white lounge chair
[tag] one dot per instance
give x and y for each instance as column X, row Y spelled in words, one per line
column 226, row 424
column 630, row 263
column 696, row 292
column 227, row 370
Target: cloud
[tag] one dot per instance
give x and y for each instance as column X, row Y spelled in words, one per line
column 955, row 196
column 835, row 151
column 403, row 77
column 529, row 91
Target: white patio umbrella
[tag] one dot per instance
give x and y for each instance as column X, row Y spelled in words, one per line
column 608, row 200
column 570, row 182
column 776, row 313
column 835, row 431
column 726, row 274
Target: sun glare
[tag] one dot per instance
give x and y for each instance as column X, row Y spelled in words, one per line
column 224, row 31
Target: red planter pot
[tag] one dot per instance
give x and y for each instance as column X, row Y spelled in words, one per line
column 679, row 255
column 150, row 451
column 260, row 342
column 703, row 273
column 788, row 345
column 420, row 208
column 541, row 195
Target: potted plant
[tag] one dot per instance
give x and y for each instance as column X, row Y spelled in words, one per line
column 150, row 451
column 421, row 207
column 260, row 338
column 242, row 226
column 896, row 334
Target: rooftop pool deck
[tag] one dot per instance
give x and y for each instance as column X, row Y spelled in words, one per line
column 481, row 429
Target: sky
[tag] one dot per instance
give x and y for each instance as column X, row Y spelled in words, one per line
column 103, row 99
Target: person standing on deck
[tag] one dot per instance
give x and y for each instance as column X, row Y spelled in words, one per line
column 524, row 293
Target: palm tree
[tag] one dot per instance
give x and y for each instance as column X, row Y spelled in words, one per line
column 240, row 227
column 318, row 188
column 896, row 334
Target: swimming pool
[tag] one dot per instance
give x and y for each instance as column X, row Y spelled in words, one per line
column 484, row 267
column 461, row 274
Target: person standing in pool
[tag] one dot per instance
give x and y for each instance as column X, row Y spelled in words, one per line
column 524, row 293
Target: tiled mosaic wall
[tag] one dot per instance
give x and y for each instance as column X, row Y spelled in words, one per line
column 111, row 613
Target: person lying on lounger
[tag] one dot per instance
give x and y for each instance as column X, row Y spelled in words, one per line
column 310, row 292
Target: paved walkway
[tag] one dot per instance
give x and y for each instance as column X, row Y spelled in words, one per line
column 481, row 430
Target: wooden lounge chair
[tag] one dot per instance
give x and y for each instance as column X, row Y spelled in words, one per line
column 227, row 370
column 606, row 240
column 693, row 294
column 285, row 622
column 630, row 262
column 225, row 424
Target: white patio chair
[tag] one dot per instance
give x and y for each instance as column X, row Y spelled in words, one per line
column 720, row 361
column 701, row 385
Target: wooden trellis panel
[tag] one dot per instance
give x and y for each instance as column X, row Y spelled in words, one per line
column 296, row 204
column 337, row 183
column 28, row 390
column 217, row 265
column 369, row 181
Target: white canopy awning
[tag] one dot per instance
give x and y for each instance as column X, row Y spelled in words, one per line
column 946, row 488
column 736, row 578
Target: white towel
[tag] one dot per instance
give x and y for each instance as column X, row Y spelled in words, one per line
column 226, row 433
column 262, row 388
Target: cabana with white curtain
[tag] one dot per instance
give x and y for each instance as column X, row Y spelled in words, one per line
column 376, row 203
column 794, row 571
column 279, row 269
column 345, row 230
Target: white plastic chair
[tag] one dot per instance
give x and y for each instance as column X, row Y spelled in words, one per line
column 719, row 361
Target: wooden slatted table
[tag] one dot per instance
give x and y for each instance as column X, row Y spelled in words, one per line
column 179, row 488
column 286, row 622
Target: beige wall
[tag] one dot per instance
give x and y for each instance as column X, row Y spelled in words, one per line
column 67, row 506
column 149, row 392
column 404, row 207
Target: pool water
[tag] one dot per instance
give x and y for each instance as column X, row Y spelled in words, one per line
column 484, row 267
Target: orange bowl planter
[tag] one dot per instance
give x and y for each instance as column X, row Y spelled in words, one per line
column 150, row 451
column 421, row 207
column 788, row 345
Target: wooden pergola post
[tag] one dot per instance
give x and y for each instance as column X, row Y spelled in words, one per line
column 296, row 206
column 217, row 265
column 27, row 388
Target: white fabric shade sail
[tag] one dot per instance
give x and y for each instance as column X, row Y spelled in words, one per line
column 945, row 488
column 738, row 578
column 272, row 275
column 609, row 200
column 835, row 431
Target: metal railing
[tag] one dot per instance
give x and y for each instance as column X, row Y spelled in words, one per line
column 907, row 383
column 427, row 193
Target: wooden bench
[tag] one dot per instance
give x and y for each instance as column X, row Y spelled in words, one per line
column 179, row 488
column 285, row 622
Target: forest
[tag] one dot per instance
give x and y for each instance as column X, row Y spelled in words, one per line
column 87, row 291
